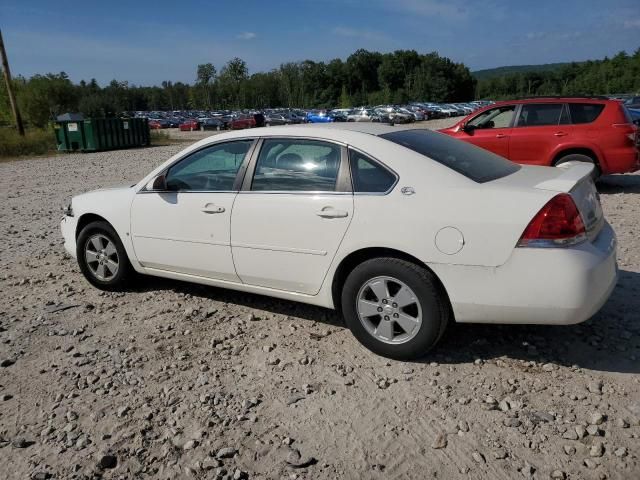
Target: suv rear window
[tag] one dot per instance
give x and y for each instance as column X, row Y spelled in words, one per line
column 585, row 112
column 473, row 162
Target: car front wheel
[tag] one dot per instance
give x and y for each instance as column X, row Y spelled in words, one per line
column 102, row 257
column 395, row 308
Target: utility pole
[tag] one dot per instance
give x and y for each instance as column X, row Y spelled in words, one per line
column 12, row 97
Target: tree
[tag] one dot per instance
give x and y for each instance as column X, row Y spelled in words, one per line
column 205, row 78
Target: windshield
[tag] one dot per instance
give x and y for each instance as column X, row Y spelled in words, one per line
column 473, row 162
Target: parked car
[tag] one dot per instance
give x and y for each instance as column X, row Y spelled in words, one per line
column 276, row 119
column 399, row 286
column 242, row 121
column 338, row 115
column 319, row 117
column 174, row 122
column 399, row 116
column 553, row 131
column 158, row 123
column 364, row 115
column 418, row 108
column 633, row 102
column 297, row 116
column 155, row 125
column 635, row 115
column 188, row 125
column 417, row 115
column 434, row 112
column 214, row 123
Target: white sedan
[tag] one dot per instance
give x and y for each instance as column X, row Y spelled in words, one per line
column 402, row 230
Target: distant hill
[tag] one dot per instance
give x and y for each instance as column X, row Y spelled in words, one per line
column 500, row 71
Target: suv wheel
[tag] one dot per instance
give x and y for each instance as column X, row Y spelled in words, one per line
column 578, row 157
column 394, row 308
column 102, row 257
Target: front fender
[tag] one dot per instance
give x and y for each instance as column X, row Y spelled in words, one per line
column 114, row 205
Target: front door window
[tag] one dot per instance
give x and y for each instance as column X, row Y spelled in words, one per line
column 500, row 117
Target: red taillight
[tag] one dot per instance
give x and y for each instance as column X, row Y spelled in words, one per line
column 557, row 224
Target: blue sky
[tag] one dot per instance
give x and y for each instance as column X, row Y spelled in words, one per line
column 146, row 42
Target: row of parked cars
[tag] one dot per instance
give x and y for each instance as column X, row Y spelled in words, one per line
column 233, row 120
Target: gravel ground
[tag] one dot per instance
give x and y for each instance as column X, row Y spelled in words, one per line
column 173, row 380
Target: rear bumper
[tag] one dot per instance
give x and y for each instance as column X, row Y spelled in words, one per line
column 625, row 160
column 554, row 286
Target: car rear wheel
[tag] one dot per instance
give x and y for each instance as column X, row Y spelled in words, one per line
column 102, row 257
column 395, row 308
column 578, row 157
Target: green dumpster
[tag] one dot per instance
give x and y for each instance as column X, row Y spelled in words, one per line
column 95, row 134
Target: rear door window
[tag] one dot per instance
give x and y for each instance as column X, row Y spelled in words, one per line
column 539, row 115
column 585, row 112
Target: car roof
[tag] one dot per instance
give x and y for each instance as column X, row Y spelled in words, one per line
column 342, row 131
column 552, row 99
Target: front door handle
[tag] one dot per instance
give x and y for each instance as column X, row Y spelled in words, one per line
column 330, row 212
column 500, row 135
column 211, row 208
column 561, row 134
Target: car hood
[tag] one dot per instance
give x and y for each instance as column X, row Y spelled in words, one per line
column 103, row 192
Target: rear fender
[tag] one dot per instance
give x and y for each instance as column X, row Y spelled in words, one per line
column 566, row 148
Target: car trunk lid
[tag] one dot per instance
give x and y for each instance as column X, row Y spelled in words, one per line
column 574, row 178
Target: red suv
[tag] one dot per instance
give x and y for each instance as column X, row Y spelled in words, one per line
column 550, row 131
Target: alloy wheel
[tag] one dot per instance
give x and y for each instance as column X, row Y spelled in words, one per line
column 389, row 310
column 102, row 257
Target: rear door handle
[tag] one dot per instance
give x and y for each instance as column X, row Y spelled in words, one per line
column 330, row 212
column 211, row 208
column 500, row 135
column 561, row 134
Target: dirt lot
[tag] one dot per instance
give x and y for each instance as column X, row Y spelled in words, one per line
column 173, row 380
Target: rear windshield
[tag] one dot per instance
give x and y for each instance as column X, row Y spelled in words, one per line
column 473, row 162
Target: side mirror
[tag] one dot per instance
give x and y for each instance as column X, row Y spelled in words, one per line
column 468, row 128
column 159, row 183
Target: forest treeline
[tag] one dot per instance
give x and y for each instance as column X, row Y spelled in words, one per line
column 364, row 78
column 618, row 74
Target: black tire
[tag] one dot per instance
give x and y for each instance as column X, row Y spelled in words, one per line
column 433, row 302
column 124, row 273
column 578, row 157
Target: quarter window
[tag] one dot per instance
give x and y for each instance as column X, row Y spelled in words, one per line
column 495, row 118
column 297, row 165
column 585, row 112
column 538, row 115
column 211, row 169
column 369, row 176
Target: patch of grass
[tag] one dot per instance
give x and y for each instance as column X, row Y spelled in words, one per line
column 35, row 142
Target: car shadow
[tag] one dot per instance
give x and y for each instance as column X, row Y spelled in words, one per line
column 609, row 184
column 608, row 342
column 249, row 300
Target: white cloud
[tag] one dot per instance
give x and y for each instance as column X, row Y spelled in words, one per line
column 246, row 36
column 357, row 33
column 553, row 35
column 632, row 23
column 430, row 8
